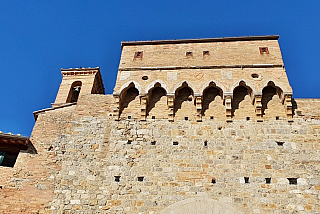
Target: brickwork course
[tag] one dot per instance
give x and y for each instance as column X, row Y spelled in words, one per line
column 193, row 126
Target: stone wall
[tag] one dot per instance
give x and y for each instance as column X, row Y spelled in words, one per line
column 88, row 163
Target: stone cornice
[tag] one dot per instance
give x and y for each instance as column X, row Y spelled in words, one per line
column 206, row 40
column 202, row 67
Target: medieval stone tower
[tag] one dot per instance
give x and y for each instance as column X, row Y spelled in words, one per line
column 193, row 126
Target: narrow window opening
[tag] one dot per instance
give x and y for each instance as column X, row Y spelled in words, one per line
column 292, row 181
column 211, row 117
column 129, row 117
column 280, row 143
column 206, row 53
column 246, row 180
column 175, row 143
column 153, row 143
column 189, row 53
column 277, row 118
column 268, row 180
column 263, row 50
column 213, row 180
column 219, row 128
column 129, row 141
column 117, row 178
column 248, row 118
column 145, row 78
column 186, row 118
column 140, row 179
column 153, row 117
column 138, row 54
column 205, row 143
column 8, row 159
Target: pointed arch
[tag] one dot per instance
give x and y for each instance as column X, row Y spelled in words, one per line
column 180, row 85
column 126, row 85
column 217, row 84
column 212, row 102
column 199, row 205
column 247, row 85
column 74, row 92
column 242, row 101
column 129, row 102
column 271, row 101
column 271, row 82
column 157, row 103
column 184, row 106
column 152, row 85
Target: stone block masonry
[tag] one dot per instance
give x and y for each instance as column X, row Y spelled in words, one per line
column 212, row 138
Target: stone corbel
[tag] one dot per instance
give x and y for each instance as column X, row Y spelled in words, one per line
column 116, row 110
column 170, row 103
column 258, row 106
column 287, row 102
column 198, row 101
column 228, row 106
column 144, row 104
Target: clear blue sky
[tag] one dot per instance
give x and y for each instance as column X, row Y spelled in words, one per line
column 37, row 38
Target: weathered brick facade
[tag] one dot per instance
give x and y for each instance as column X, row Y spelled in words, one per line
column 193, row 126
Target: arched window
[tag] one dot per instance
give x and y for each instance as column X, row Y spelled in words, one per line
column 74, row 92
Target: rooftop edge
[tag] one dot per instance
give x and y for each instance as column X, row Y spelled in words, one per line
column 204, row 40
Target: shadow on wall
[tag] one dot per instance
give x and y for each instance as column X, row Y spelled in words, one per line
column 9, row 152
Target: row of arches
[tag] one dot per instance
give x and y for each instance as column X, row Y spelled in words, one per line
column 184, row 104
column 200, row 89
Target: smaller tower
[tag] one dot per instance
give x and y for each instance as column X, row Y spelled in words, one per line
column 76, row 82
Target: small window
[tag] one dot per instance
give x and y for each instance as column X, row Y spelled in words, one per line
column 189, row 53
column 145, row 78
column 129, row 141
column 213, row 180
column 138, row 54
column 263, row 50
column 292, row 181
column 248, row 118
column 140, row 179
column 175, row 143
column 206, row 53
column 186, row 118
column 280, row 143
column 246, row 180
column 153, row 143
column 153, row 117
column 129, row 117
column 211, row 117
column 205, row 143
column 277, row 118
column 117, row 178
column 268, row 180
